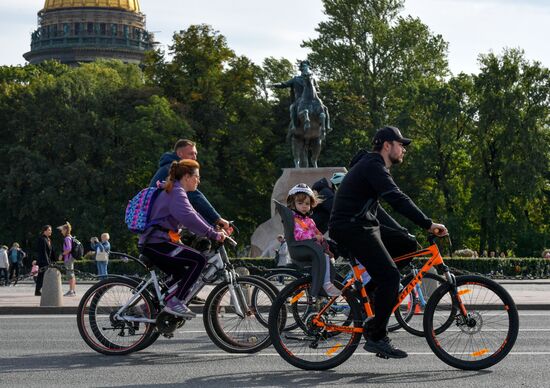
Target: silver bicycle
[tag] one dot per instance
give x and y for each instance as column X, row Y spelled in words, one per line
column 123, row 314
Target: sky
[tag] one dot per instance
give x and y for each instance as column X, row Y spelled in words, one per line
column 261, row 28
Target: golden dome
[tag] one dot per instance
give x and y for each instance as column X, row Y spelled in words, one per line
column 128, row 5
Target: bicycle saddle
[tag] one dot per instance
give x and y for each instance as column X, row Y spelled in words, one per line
column 146, row 261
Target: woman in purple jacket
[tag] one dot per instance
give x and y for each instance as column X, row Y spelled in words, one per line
column 160, row 243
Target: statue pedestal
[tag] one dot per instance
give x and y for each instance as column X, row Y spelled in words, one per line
column 268, row 231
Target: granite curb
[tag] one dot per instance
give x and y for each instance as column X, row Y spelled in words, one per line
column 533, row 294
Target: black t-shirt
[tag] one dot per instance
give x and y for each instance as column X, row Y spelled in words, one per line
column 357, row 197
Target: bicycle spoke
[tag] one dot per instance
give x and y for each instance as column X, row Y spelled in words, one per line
column 484, row 335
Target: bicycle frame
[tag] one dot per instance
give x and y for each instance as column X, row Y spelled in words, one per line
column 435, row 260
column 152, row 280
column 237, row 295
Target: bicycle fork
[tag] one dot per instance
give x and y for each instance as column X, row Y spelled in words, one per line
column 455, row 294
column 238, row 298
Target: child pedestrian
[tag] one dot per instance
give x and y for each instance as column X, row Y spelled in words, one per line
column 301, row 199
column 34, row 271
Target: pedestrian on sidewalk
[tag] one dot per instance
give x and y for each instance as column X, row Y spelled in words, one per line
column 101, row 257
column 4, row 265
column 105, row 237
column 16, row 256
column 44, row 256
column 68, row 259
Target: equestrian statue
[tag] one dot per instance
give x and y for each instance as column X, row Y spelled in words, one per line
column 309, row 118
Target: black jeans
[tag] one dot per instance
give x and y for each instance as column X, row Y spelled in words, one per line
column 367, row 245
column 183, row 263
column 4, row 277
column 40, row 277
column 14, row 270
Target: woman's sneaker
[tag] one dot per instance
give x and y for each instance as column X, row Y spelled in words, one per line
column 70, row 293
column 177, row 308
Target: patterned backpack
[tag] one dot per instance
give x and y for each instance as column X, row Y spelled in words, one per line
column 138, row 211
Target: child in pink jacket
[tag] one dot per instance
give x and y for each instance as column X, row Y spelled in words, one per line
column 301, row 199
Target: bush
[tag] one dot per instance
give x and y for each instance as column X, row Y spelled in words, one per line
column 534, row 268
column 522, row 268
column 87, row 269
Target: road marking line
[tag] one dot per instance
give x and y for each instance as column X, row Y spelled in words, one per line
column 223, row 354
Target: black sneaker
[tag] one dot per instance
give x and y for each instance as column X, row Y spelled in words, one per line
column 384, row 348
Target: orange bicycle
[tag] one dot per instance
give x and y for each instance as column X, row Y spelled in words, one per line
column 470, row 322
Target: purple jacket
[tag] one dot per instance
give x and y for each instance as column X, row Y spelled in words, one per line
column 176, row 211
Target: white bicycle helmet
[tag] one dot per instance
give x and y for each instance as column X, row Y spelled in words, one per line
column 301, row 188
column 337, row 178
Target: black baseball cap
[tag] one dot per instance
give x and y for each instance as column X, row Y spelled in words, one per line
column 389, row 134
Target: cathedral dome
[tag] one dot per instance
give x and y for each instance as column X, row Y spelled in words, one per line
column 127, row 5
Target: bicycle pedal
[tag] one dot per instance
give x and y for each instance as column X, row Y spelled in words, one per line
column 381, row 355
column 168, row 335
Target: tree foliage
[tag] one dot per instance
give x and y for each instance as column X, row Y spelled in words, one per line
column 79, row 142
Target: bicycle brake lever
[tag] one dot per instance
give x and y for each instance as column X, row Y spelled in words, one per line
column 231, row 242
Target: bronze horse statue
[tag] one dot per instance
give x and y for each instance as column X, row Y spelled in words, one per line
column 307, row 137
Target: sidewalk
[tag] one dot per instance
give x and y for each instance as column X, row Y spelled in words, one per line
column 528, row 295
column 21, row 300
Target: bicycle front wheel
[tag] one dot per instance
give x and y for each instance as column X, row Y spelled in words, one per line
column 306, row 344
column 106, row 329
column 239, row 331
column 481, row 335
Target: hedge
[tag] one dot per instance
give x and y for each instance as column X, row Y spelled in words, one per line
column 521, row 268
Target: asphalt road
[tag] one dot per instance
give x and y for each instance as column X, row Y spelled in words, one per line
column 46, row 350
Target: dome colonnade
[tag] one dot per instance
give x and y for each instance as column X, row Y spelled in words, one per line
column 74, row 31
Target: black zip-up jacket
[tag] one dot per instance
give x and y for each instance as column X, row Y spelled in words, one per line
column 356, row 201
column 45, row 253
column 321, row 212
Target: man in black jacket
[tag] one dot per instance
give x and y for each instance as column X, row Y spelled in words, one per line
column 355, row 224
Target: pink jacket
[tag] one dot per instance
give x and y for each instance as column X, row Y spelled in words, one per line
column 304, row 228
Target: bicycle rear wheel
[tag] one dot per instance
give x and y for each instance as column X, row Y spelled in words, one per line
column 482, row 337
column 110, row 333
column 282, row 277
column 303, row 343
column 410, row 315
column 236, row 333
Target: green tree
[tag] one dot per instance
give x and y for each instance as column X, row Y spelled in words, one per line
column 375, row 52
column 83, row 141
column 222, row 96
column 439, row 116
column 511, row 147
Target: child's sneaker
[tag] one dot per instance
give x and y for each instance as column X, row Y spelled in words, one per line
column 177, row 308
column 331, row 290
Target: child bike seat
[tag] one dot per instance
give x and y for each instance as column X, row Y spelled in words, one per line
column 303, row 253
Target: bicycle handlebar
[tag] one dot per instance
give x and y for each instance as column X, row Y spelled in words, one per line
column 231, row 242
column 432, row 239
